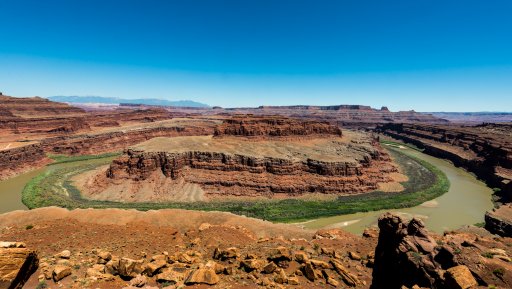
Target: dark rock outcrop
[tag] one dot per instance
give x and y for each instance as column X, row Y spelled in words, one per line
column 407, row 255
column 499, row 221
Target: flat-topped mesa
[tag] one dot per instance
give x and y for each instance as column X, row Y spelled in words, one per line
column 140, row 165
column 317, row 107
column 264, row 127
column 38, row 107
column 234, row 166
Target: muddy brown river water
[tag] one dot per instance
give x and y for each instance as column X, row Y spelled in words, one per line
column 464, row 204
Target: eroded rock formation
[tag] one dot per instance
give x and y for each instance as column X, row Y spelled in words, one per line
column 117, row 141
column 237, row 166
column 499, row 220
column 408, row 255
column 261, row 127
column 346, row 115
column 485, row 150
column 17, row 160
column 17, row 264
column 28, row 107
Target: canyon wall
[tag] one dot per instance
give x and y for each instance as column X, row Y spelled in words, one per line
column 239, row 175
column 485, row 150
column 346, row 115
column 115, row 141
column 249, row 157
column 275, row 127
column 21, row 159
column 28, row 107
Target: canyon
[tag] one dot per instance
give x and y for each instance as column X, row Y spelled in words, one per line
column 192, row 156
column 485, row 150
column 254, row 157
column 343, row 115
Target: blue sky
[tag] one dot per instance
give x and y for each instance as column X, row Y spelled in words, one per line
column 422, row 55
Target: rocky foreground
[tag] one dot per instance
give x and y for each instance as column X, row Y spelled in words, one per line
column 177, row 249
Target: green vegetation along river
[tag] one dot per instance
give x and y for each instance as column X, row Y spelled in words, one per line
column 465, row 203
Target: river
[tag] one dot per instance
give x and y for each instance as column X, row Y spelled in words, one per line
column 465, row 203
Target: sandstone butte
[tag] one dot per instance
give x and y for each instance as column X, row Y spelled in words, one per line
column 114, row 248
column 271, row 157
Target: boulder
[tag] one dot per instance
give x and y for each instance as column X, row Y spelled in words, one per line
column 309, row 272
column 301, row 257
column 60, row 272
column 329, row 279
column 281, row 277
column 153, row 267
column 229, row 253
column 320, row 264
column 203, row 276
column 354, row 256
column 279, row 254
column 293, row 280
column 404, row 255
column 139, row 281
column 459, row 277
column 270, row 268
column 129, row 268
column 104, row 257
column 112, row 266
column 171, row 276
column 218, row 268
column 252, row 264
column 16, row 264
column 66, row 254
column 346, row 276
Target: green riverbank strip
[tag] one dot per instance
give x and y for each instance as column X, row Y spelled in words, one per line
column 426, row 182
column 62, row 159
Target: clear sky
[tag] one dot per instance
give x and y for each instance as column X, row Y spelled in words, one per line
column 425, row 55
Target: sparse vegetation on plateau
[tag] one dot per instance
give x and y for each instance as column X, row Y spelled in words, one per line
column 60, row 159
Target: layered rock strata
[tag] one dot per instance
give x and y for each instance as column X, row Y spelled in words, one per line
column 28, row 107
column 260, row 127
column 17, row 264
column 17, row 160
column 239, row 167
column 116, row 141
column 499, row 220
column 485, row 150
column 346, row 115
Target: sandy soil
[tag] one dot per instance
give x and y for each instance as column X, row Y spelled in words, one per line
column 157, row 188
column 323, row 149
column 134, row 234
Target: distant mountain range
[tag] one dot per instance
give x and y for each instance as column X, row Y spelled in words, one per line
column 115, row 100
